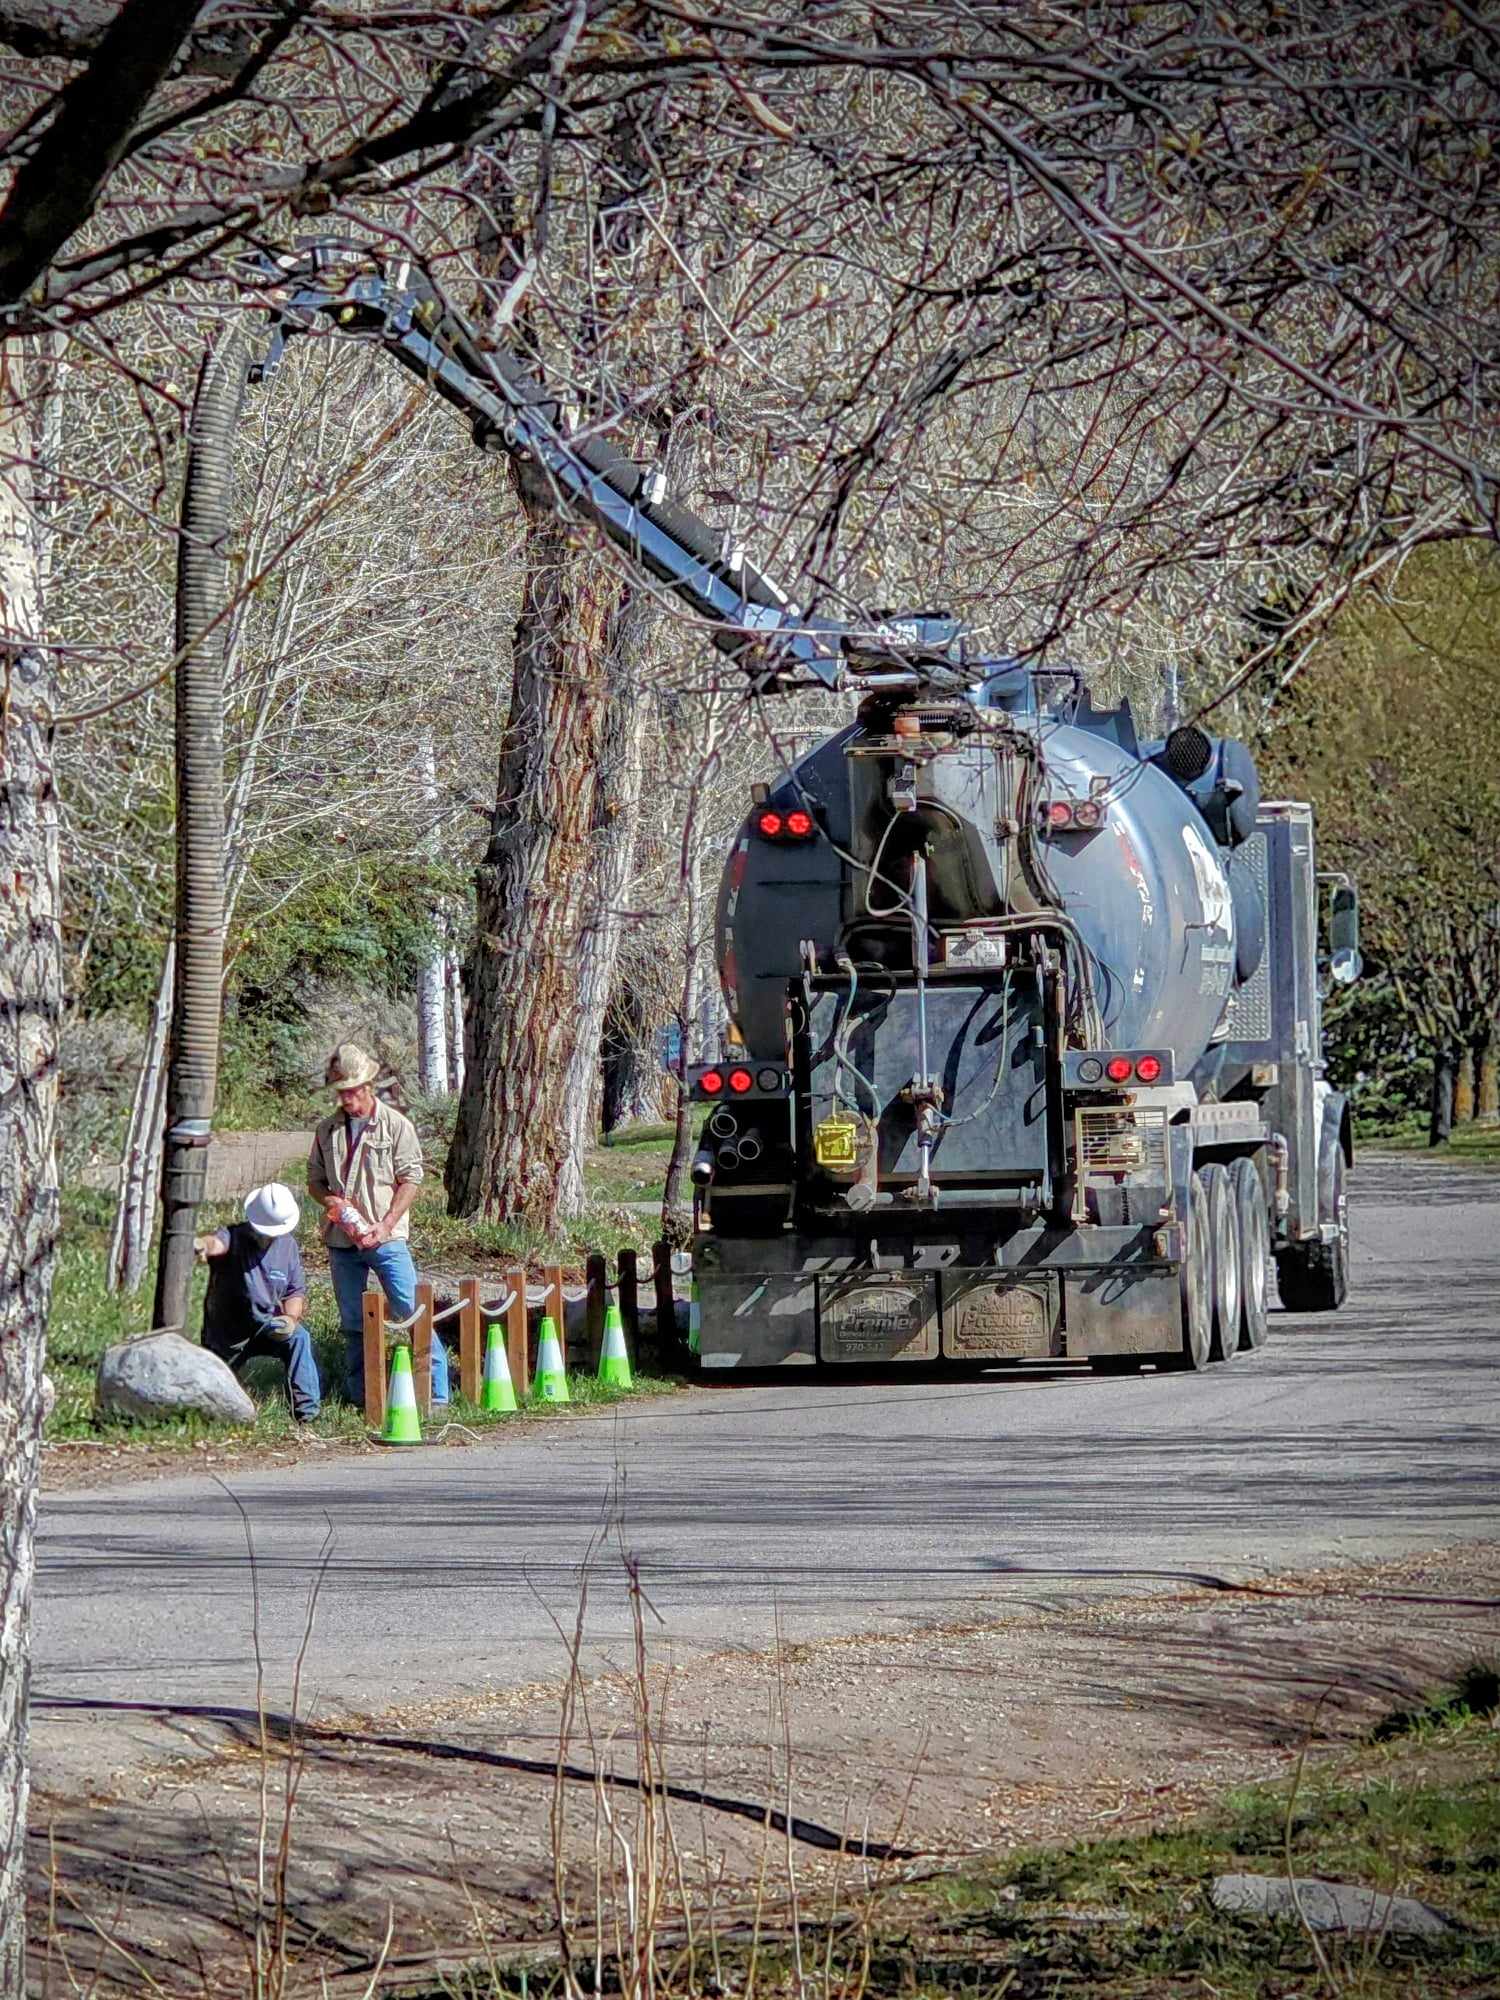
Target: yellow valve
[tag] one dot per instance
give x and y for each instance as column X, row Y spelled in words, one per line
column 834, row 1142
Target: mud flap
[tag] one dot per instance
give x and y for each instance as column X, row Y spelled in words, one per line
column 874, row 1318
column 757, row 1321
column 1123, row 1312
column 986, row 1318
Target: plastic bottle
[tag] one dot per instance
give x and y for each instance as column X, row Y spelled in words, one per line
column 344, row 1215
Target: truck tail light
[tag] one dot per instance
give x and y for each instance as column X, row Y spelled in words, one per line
column 1118, row 1069
column 1148, row 1069
column 1074, row 815
column 717, row 1083
column 1098, row 1069
column 711, row 1083
column 741, row 1082
column 798, row 824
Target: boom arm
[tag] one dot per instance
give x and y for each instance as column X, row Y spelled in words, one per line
column 509, row 410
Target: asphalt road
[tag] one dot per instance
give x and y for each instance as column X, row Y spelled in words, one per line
column 827, row 1507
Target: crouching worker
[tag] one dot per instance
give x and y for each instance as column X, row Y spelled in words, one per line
column 365, row 1168
column 257, row 1293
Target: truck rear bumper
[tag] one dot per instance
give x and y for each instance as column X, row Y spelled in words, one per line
column 795, row 1301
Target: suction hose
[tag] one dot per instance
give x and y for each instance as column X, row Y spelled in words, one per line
column 197, row 994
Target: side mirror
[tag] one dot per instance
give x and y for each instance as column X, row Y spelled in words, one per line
column 1344, row 961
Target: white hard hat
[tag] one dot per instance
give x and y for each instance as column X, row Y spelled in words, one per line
column 272, row 1210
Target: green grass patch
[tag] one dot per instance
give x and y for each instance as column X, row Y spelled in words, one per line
column 1470, row 1145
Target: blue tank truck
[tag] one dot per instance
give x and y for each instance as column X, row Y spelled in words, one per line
column 1026, row 1055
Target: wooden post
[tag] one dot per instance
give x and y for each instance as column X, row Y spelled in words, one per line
column 470, row 1344
column 421, row 1347
column 517, row 1343
column 553, row 1304
column 666, row 1298
column 597, row 1279
column 374, row 1318
column 630, row 1305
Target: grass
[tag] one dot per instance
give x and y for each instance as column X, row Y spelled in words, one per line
column 1473, row 1145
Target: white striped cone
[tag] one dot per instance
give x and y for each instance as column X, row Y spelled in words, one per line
column 497, row 1392
column 551, row 1384
column 402, row 1423
column 614, row 1361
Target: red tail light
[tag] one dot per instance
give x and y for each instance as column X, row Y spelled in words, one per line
column 711, row 1083
column 1059, row 813
column 1117, row 1069
column 799, row 824
column 769, row 824
column 1148, row 1069
column 740, row 1080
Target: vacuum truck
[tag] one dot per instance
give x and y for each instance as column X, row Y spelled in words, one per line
column 1025, row 1057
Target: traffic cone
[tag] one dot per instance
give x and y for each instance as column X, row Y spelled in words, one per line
column 614, row 1362
column 551, row 1382
column 498, row 1391
column 402, row 1424
column 695, row 1318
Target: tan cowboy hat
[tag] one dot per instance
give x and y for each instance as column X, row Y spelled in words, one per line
column 349, row 1066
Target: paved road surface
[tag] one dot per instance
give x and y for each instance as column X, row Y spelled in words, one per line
column 834, row 1507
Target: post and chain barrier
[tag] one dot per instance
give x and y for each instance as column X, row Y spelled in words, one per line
column 611, row 1313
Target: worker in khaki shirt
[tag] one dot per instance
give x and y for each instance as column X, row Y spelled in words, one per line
column 368, row 1154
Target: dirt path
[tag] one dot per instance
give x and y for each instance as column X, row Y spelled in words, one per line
column 237, row 1162
column 1055, row 1721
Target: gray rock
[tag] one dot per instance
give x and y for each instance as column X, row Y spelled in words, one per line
column 164, row 1375
column 1329, row 1906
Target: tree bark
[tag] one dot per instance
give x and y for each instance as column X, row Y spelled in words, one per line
column 432, row 1026
column 453, row 986
column 31, row 987
column 611, row 864
column 1440, row 1120
column 512, row 1145
column 1487, row 1083
column 1463, row 1089
column 141, row 1156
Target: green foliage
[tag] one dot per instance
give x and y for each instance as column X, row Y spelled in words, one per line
column 1393, row 730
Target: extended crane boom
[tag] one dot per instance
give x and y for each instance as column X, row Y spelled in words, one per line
column 510, row 410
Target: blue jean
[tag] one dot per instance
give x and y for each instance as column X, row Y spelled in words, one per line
column 393, row 1266
column 293, row 1350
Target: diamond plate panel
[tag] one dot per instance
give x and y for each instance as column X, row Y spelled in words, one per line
column 1250, row 1014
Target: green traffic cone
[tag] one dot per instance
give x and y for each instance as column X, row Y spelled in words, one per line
column 551, row 1383
column 695, row 1318
column 402, row 1424
column 614, row 1362
column 498, row 1391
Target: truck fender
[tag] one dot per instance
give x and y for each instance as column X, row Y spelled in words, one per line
column 1335, row 1137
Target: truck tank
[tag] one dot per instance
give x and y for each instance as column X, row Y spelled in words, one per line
column 1018, row 817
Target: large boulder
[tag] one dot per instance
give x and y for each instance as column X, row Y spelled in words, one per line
column 163, row 1375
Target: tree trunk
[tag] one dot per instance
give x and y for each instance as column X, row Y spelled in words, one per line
column 141, row 1157
column 511, row 1146
column 432, row 1027
column 1463, row 1089
column 632, row 1075
column 611, row 864
column 1440, row 1121
column 1487, row 1084
column 31, row 991
column 453, row 986
column 687, row 1016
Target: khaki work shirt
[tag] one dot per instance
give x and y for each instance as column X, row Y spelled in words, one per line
column 389, row 1151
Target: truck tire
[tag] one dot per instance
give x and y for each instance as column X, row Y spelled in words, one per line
column 1255, row 1252
column 1314, row 1277
column 1195, row 1287
column 1224, row 1236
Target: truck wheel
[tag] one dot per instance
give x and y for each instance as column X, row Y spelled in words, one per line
column 1224, row 1235
column 1255, row 1252
column 1314, row 1277
column 1195, row 1282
